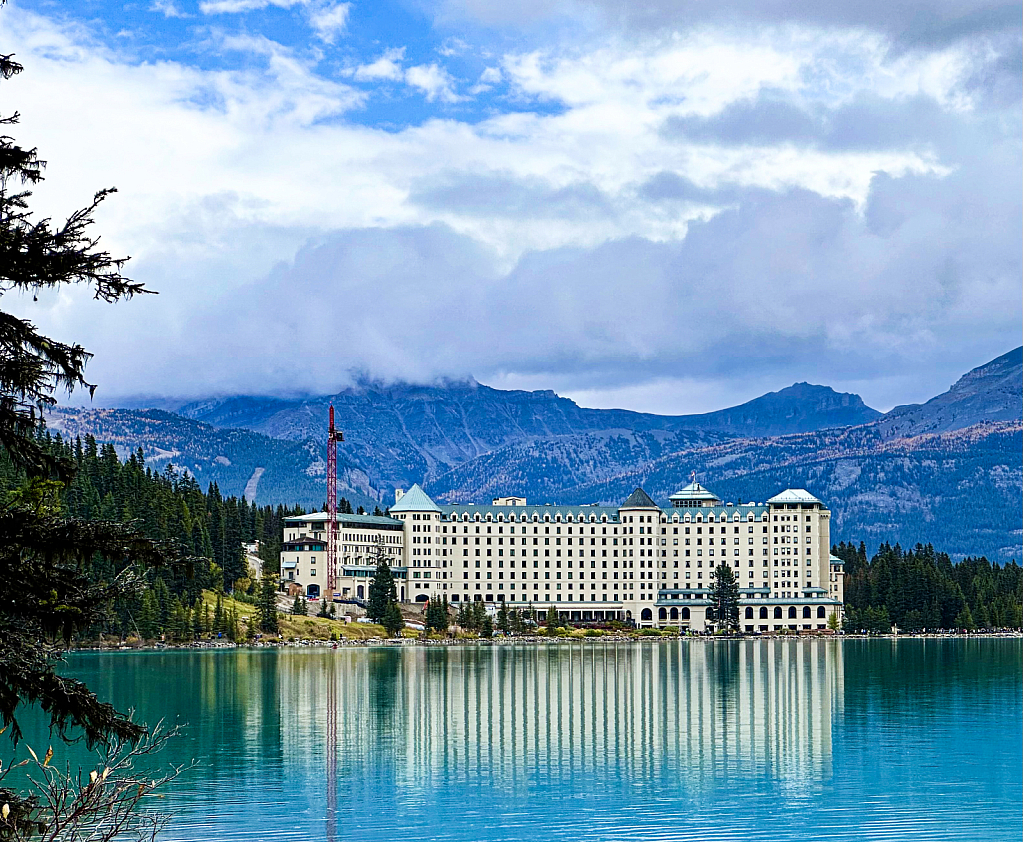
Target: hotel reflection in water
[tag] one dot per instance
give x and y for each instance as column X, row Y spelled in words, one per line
column 511, row 714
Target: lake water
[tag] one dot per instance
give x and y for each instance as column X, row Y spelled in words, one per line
column 688, row 740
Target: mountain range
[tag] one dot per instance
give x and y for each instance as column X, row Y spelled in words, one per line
column 902, row 475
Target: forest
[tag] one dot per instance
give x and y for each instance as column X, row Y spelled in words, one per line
column 204, row 528
column 915, row 589
column 922, row 589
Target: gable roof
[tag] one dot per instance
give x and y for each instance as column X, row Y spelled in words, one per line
column 415, row 500
column 639, row 499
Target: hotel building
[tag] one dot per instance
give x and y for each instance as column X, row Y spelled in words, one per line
column 635, row 562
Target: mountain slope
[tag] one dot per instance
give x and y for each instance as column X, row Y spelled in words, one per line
column 904, row 476
column 401, row 433
column 991, row 392
column 959, row 490
column 800, row 408
column 543, row 468
column 241, row 462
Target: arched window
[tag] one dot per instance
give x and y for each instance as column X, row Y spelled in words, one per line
column 806, row 612
column 647, row 615
column 820, row 613
column 673, row 614
column 662, row 614
column 763, row 613
column 792, row 612
column 685, row 614
column 777, row 613
column 749, row 613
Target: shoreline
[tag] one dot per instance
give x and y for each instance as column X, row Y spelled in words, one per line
column 531, row 640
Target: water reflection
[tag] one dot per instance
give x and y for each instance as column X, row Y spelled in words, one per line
column 694, row 739
column 517, row 717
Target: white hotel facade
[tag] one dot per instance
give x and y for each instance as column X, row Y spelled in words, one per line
column 634, row 562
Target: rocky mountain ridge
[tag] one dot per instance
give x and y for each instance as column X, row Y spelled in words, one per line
column 464, row 441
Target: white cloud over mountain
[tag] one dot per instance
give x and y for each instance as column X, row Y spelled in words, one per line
column 678, row 216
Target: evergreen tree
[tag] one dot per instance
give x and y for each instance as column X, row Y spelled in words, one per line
column 503, row 619
column 48, row 594
column 964, row 620
column 299, row 608
column 436, row 615
column 267, row 605
column 232, row 626
column 198, row 625
column 219, row 621
column 149, row 616
column 553, row 620
column 466, row 617
column 393, row 622
column 724, row 593
column 382, row 591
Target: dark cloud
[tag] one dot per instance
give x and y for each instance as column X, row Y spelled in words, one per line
column 768, row 119
column 866, row 123
column 911, row 24
column 923, row 282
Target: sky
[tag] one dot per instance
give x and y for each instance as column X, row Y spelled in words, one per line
column 663, row 206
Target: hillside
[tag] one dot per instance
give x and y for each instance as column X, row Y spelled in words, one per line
column 959, row 490
column 546, row 467
column 400, row 433
column 991, row 392
column 241, row 462
column 800, row 408
column 886, row 479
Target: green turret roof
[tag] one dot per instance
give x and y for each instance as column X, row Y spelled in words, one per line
column 415, row 500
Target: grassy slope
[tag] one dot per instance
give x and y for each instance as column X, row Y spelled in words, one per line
column 304, row 628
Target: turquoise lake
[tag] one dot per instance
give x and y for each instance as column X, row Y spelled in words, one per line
column 684, row 740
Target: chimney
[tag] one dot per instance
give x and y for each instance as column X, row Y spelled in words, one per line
column 398, row 494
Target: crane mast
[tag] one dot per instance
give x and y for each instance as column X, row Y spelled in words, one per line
column 333, row 437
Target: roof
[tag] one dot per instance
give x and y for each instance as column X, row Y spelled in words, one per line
column 794, row 495
column 639, row 499
column 415, row 500
column 576, row 512
column 353, row 520
column 694, row 491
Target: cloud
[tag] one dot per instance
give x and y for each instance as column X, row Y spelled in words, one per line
column 387, row 67
column 781, row 277
column 330, row 21
column 434, row 81
column 914, row 24
column 234, row 7
column 327, row 19
column 713, row 208
column 490, row 77
column 167, row 8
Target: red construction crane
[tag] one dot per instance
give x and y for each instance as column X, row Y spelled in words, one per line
column 333, row 437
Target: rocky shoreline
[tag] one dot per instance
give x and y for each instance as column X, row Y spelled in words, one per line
column 534, row 640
